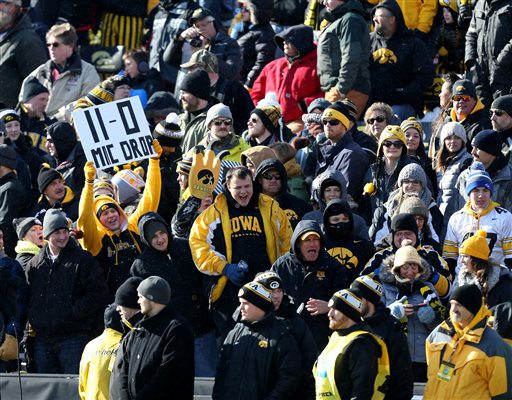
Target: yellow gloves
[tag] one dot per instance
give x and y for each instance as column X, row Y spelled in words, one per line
column 204, row 174
column 89, row 171
column 9, row 348
column 158, row 149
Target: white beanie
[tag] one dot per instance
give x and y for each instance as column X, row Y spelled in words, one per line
column 452, row 129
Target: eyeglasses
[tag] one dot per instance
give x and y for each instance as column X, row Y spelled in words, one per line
column 219, row 122
column 411, row 181
column 269, row 177
column 332, row 122
column 387, row 143
column 498, row 113
column 461, row 98
column 54, row 44
column 254, row 120
column 370, row 121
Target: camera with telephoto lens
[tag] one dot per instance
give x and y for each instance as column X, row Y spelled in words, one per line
column 196, row 42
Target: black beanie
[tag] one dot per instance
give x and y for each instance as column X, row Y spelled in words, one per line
column 326, row 183
column 8, row 156
column 348, row 303
column 368, row 288
column 46, row 176
column 126, row 294
column 503, row 103
column 155, row 289
column 489, row 141
column 64, row 138
column 112, row 318
column 23, row 225
column 270, row 280
column 31, row 88
column 8, row 115
column 151, row 227
column 258, row 295
column 54, row 219
column 404, row 222
column 469, row 296
column 168, row 131
column 197, row 83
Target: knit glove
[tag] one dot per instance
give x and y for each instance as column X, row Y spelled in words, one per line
column 89, row 171
column 426, row 315
column 397, row 309
column 9, row 348
column 235, row 272
column 158, row 149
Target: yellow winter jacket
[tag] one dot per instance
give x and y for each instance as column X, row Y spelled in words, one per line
column 278, row 233
column 418, row 14
column 93, row 229
column 482, row 359
column 96, row 365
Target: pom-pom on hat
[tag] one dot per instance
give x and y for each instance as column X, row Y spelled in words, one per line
column 476, row 246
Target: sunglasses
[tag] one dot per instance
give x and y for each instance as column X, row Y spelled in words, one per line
column 387, row 143
column 254, row 120
column 54, row 44
column 332, row 122
column 49, row 140
column 461, row 98
column 269, row 177
column 219, row 122
column 370, row 121
column 498, row 113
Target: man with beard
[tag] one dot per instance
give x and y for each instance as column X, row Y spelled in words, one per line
column 341, row 242
column 310, row 276
column 239, row 235
column 501, row 120
column 21, row 50
column 195, row 100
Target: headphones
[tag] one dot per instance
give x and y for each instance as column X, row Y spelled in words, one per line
column 143, row 67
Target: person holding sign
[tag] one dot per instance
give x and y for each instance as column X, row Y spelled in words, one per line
column 239, row 235
column 109, row 235
column 467, row 359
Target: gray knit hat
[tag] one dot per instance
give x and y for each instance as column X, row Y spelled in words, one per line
column 155, row 289
column 8, row 156
column 452, row 129
column 413, row 172
column 218, row 111
column 54, row 219
column 415, row 206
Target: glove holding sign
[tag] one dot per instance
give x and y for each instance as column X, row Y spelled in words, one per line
column 204, row 174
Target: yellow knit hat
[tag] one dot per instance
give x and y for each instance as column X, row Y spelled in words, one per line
column 476, row 246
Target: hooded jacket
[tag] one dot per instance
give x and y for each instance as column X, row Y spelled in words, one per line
column 418, row 15
column 257, row 45
column 482, row 361
column 342, row 243
column 21, row 51
column 343, row 48
column 400, row 67
column 317, row 280
column 477, row 120
column 294, row 81
column 273, row 369
column 116, row 252
column 360, row 228
column 156, row 359
column 25, row 250
column 294, row 208
column 417, row 332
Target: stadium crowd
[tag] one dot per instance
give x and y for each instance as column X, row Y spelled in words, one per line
column 326, row 212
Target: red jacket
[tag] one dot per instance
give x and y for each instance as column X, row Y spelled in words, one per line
column 293, row 84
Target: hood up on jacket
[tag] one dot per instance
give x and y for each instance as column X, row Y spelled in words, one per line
column 273, row 164
column 319, row 182
column 301, row 228
column 64, row 138
column 98, row 203
column 256, row 155
column 393, row 7
column 144, row 220
column 335, row 207
column 301, row 36
column 263, row 10
column 387, row 276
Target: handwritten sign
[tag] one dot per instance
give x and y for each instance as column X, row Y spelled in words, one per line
column 114, row 133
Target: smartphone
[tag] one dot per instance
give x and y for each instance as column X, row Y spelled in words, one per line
column 415, row 307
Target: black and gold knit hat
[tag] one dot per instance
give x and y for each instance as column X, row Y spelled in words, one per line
column 270, row 116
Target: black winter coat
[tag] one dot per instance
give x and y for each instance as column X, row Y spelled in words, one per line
column 318, row 280
column 401, row 382
column 13, row 200
column 259, row 360
column 68, row 295
column 156, row 359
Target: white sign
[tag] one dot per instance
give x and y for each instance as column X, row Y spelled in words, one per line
column 114, row 133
